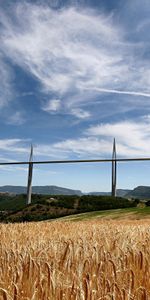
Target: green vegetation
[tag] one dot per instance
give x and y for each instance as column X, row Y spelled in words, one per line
column 92, row 203
column 17, row 202
column 43, row 207
column 134, row 213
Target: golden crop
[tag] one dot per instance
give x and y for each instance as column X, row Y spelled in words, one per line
column 90, row 260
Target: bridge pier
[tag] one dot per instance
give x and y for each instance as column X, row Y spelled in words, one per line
column 114, row 170
column 30, row 172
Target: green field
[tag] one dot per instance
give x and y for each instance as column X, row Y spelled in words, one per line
column 134, row 213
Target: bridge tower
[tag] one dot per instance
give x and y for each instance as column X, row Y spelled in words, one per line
column 114, row 170
column 30, row 172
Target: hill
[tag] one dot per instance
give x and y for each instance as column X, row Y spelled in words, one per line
column 55, row 190
column 123, row 192
column 119, row 193
column 44, row 190
column 140, row 192
column 43, row 207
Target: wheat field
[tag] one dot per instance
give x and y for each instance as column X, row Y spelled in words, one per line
column 89, row 260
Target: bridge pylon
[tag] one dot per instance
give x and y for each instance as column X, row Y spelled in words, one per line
column 114, row 170
column 30, row 172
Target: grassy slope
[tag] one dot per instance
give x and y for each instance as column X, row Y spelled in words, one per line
column 125, row 213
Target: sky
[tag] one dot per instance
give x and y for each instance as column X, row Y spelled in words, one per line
column 74, row 75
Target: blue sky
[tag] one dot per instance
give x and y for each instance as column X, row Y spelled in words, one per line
column 74, row 75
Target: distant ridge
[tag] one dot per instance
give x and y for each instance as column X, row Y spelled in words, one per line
column 120, row 193
column 140, row 192
column 44, row 190
column 55, row 190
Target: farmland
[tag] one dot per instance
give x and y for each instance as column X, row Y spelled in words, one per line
column 132, row 213
column 88, row 260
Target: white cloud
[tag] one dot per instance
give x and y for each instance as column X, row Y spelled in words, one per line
column 123, row 130
column 52, row 105
column 80, row 113
column 131, row 93
column 16, row 118
column 6, row 90
column 84, row 146
column 49, row 151
column 72, row 52
column 133, row 139
column 13, row 145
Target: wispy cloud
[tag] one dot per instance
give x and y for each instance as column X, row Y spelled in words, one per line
column 13, row 145
column 8, row 167
column 52, row 105
column 80, row 113
column 135, row 136
column 112, row 91
column 16, row 118
column 133, row 139
column 6, row 87
column 71, row 52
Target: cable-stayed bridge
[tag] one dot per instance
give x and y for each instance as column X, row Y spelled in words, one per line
column 114, row 160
